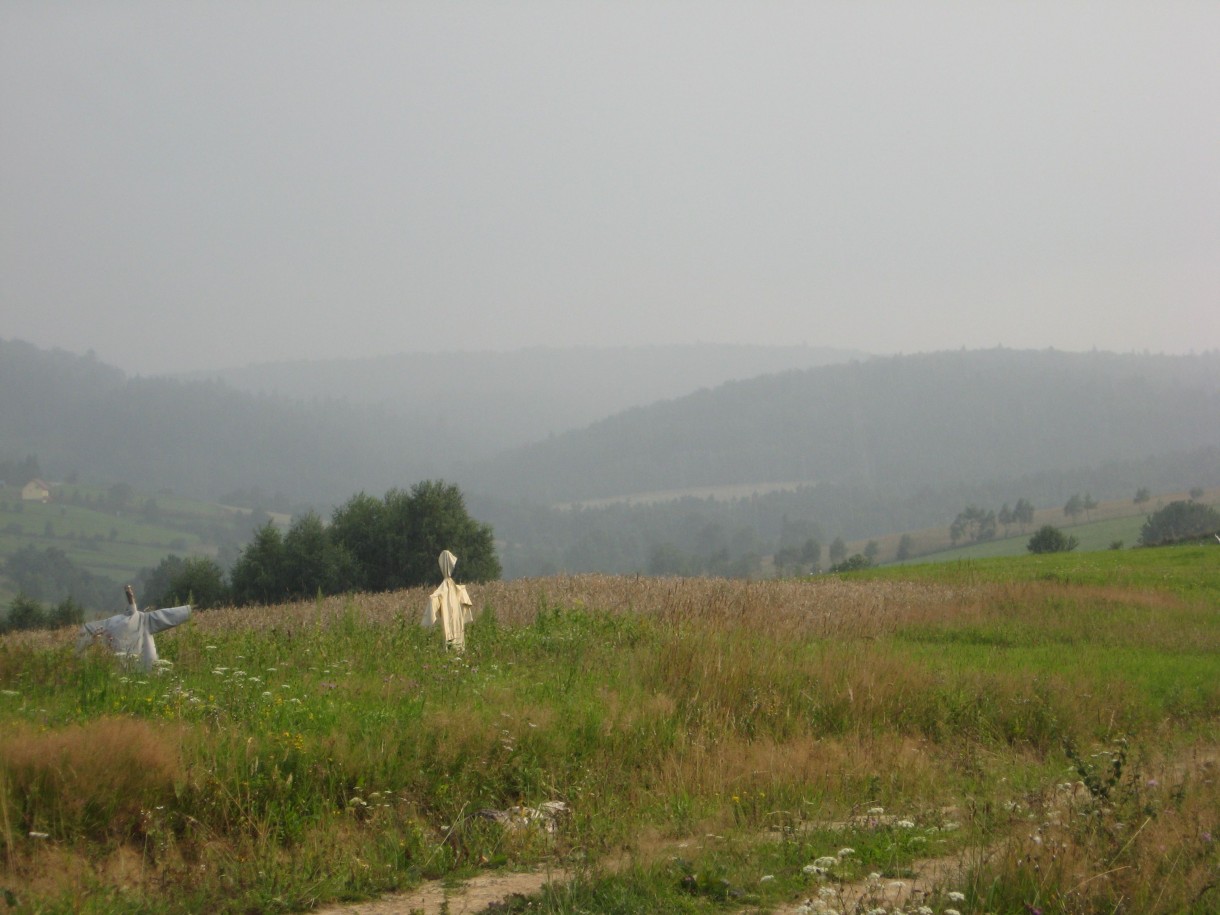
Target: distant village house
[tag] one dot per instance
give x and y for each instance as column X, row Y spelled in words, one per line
column 36, row 491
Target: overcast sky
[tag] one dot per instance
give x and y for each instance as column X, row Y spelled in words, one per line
column 200, row 185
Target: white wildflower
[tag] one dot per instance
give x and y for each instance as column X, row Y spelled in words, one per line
column 955, row 896
column 952, row 912
column 844, row 852
column 825, row 861
column 905, row 824
column 876, row 811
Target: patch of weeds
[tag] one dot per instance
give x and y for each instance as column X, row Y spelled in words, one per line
column 710, row 882
column 1101, row 772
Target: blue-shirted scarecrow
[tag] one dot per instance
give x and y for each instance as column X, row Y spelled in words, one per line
column 130, row 634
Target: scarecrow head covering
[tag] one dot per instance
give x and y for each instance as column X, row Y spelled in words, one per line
column 448, row 561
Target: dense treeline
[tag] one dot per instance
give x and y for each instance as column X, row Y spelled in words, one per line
column 49, row 575
column 502, row 400
column 26, row 613
column 937, row 420
column 687, row 535
column 370, row 545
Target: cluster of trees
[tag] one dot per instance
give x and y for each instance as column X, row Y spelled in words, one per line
column 1078, row 505
column 669, row 559
column 370, row 544
column 792, row 560
column 18, row 473
column 853, row 563
column 974, row 524
column 49, row 575
column 26, row 613
column 1180, row 521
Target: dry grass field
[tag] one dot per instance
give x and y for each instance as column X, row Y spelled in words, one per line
column 1048, row 725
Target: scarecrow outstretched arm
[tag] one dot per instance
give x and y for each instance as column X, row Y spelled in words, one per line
column 167, row 618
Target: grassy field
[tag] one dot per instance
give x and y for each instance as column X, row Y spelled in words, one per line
column 1048, row 725
column 1112, row 521
column 115, row 542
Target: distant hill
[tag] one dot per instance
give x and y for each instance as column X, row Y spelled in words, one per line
column 902, row 422
column 867, row 448
column 82, row 417
column 320, row 431
column 497, row 400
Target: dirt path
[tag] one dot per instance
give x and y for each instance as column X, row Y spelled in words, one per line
column 930, row 876
column 473, row 895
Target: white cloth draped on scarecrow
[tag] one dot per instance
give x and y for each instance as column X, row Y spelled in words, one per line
column 450, row 604
column 131, row 633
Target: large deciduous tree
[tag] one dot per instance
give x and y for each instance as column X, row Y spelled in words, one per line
column 395, row 542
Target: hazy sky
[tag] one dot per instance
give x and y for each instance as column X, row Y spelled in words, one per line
column 192, row 185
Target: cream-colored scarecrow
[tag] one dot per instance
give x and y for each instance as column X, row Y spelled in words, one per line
column 450, row 604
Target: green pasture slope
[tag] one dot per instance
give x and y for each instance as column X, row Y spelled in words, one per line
column 1092, row 536
column 1050, row 723
column 109, row 542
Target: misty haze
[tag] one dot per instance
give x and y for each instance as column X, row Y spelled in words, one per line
column 800, row 422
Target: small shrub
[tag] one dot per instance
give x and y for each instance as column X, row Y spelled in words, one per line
column 853, row 564
column 1049, row 539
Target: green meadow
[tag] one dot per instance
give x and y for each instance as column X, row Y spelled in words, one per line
column 115, row 542
column 1021, row 734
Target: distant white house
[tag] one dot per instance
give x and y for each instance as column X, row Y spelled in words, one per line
column 36, row 491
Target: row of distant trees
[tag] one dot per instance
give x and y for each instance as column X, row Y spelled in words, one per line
column 370, row 544
column 974, row 524
column 24, row 612
column 48, row 575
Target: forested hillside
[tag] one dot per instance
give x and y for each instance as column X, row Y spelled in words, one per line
column 506, row 399
column 318, row 431
column 900, row 423
column 81, row 417
column 871, row 447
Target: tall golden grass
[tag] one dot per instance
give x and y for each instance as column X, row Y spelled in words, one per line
column 96, row 778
